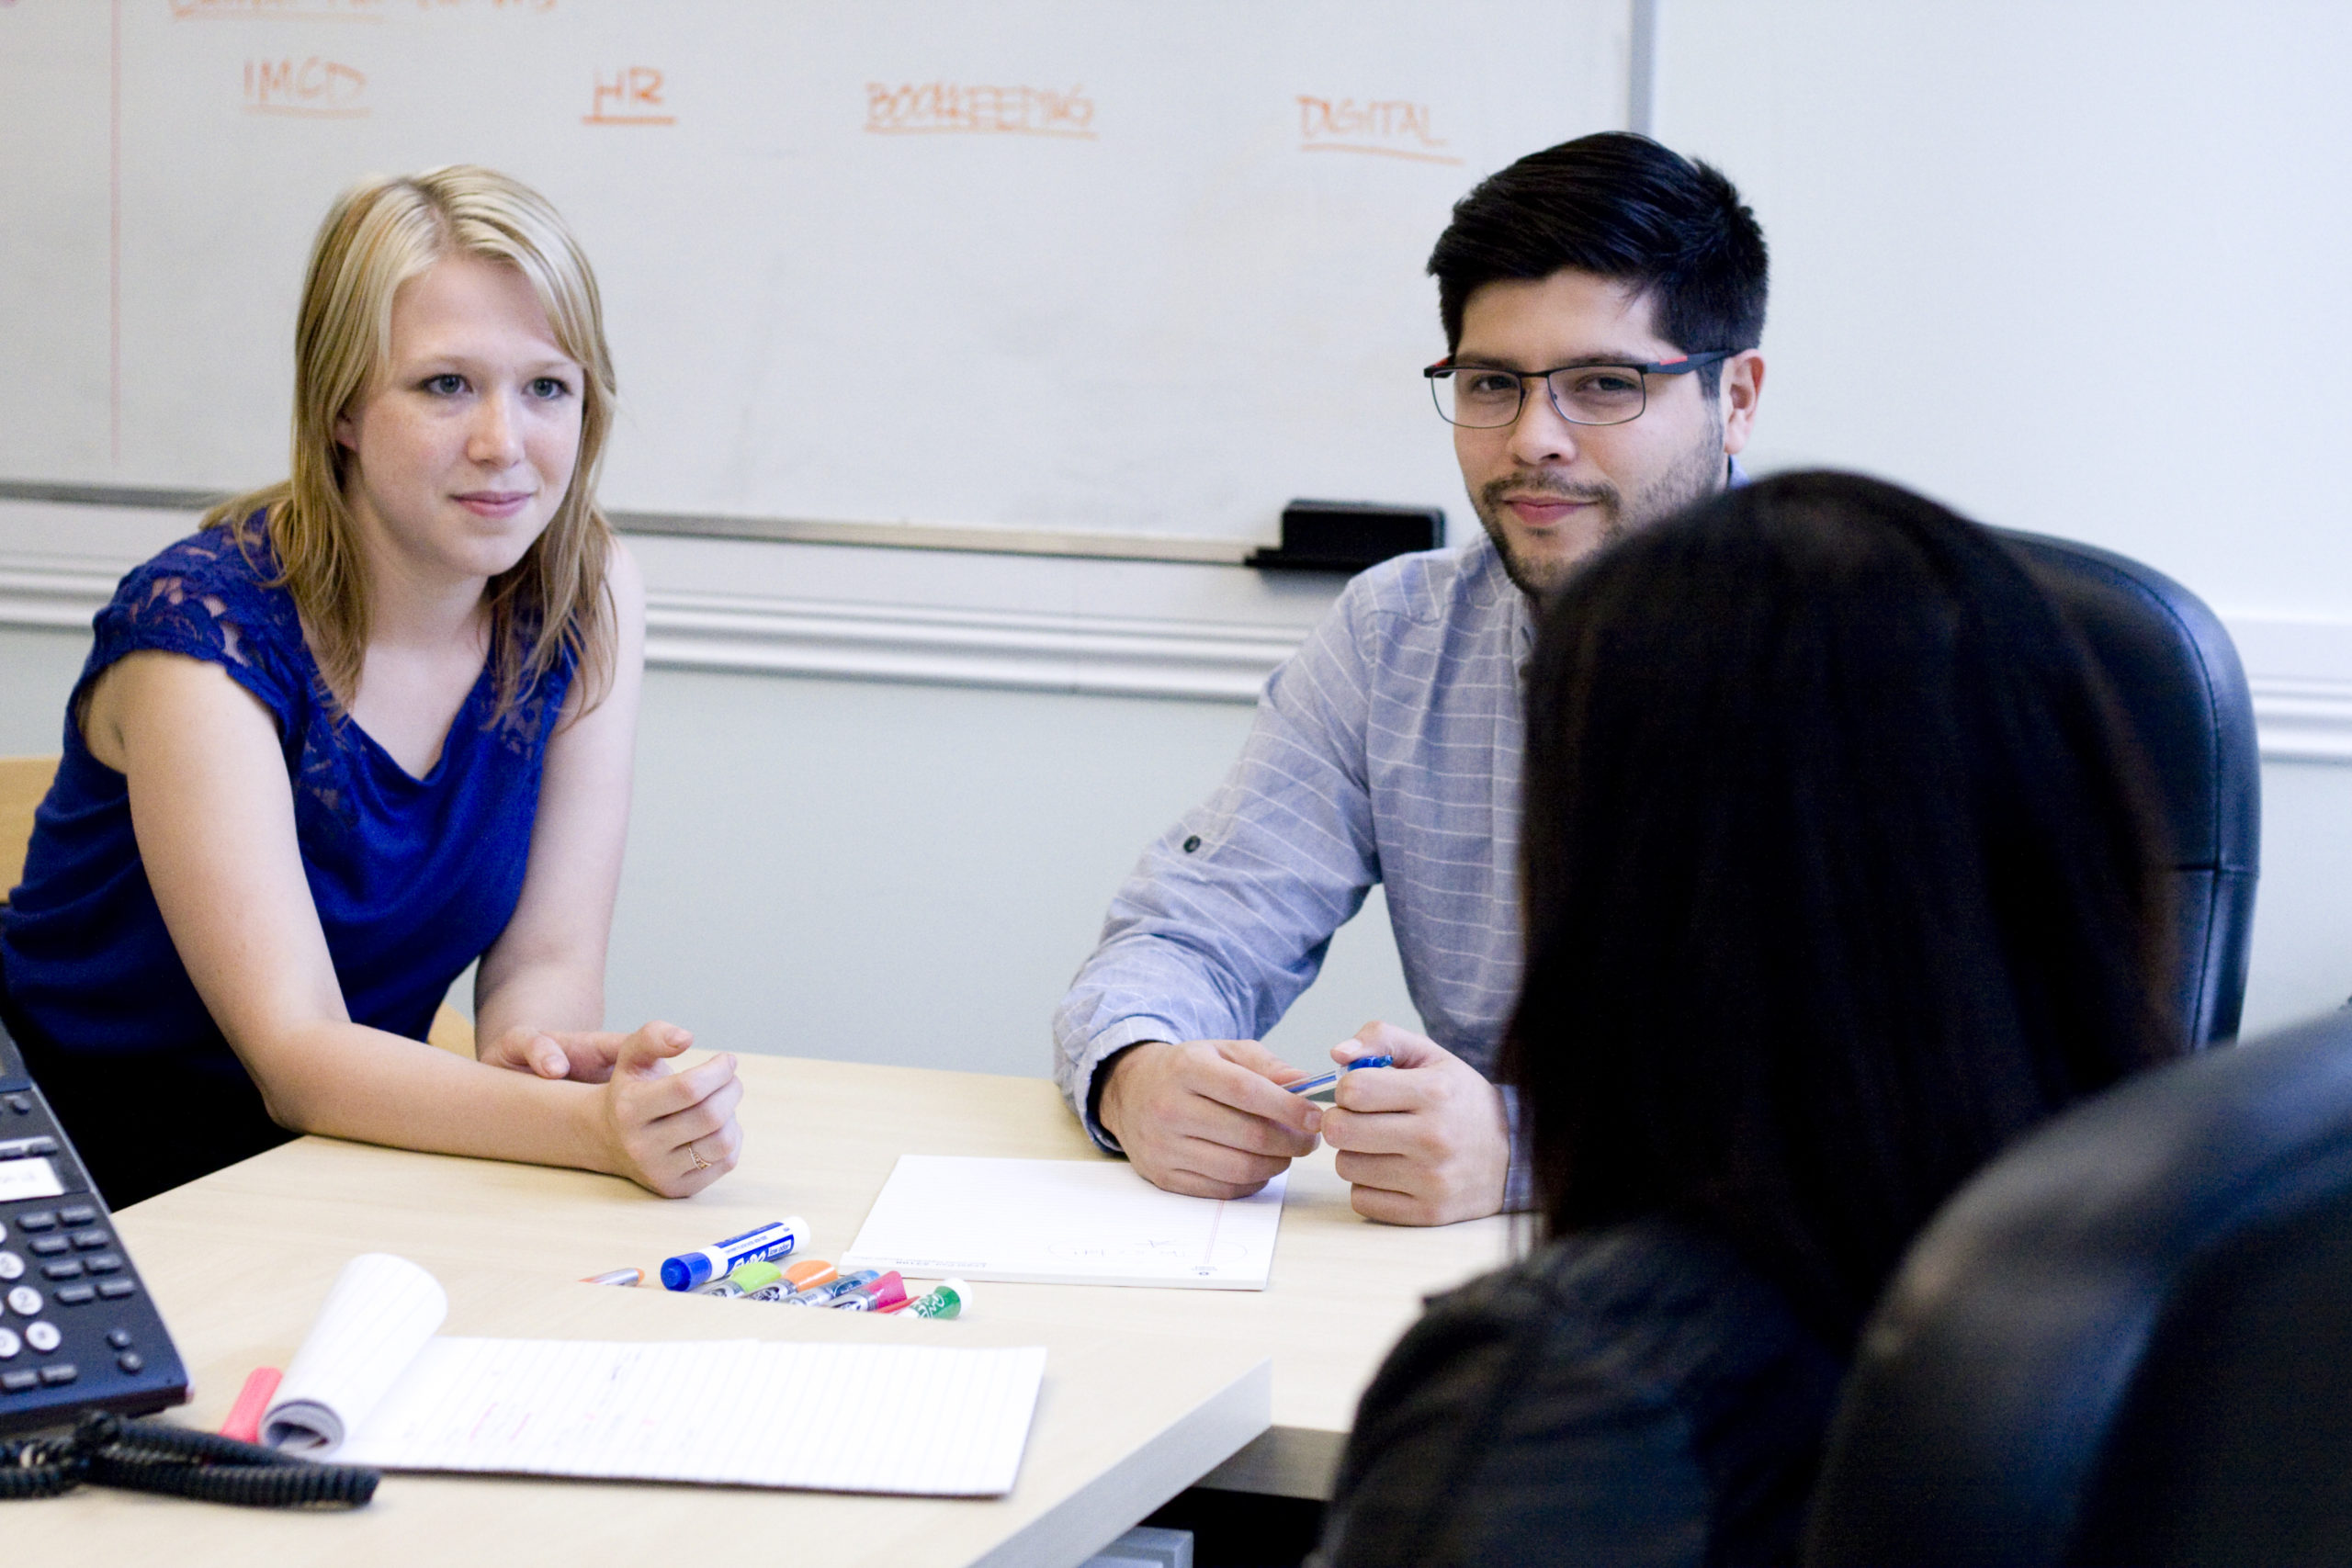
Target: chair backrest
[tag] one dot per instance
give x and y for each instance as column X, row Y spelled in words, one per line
column 2177, row 677
column 24, row 783
column 2128, row 1339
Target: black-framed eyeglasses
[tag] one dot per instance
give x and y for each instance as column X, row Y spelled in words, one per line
column 1482, row 397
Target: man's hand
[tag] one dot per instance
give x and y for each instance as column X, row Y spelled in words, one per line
column 1207, row 1116
column 1425, row 1141
column 586, row 1056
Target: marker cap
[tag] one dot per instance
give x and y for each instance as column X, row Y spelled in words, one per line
column 758, row 1274
column 943, row 1301
column 809, row 1273
column 871, row 1294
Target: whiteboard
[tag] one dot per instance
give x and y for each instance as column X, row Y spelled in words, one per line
column 1069, row 265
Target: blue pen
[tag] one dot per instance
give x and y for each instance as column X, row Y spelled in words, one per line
column 1330, row 1080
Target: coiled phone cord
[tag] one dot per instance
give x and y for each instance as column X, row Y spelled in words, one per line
column 151, row 1456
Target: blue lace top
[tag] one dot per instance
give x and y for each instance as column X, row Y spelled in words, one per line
column 413, row 877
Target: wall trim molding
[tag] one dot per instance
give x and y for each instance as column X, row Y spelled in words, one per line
column 2302, row 720
column 65, row 594
column 1211, row 661
column 1203, row 660
column 2302, row 715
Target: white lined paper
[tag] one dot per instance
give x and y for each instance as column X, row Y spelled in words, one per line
column 898, row 1418
column 379, row 1314
column 372, row 1385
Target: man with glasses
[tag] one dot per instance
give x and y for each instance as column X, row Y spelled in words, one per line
column 1602, row 301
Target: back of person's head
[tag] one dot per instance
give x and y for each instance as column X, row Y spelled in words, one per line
column 1621, row 207
column 1839, row 876
column 380, row 233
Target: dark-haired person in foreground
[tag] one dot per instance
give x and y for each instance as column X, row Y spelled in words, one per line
column 1838, row 879
column 1602, row 303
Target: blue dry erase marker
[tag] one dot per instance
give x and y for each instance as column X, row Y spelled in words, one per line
column 704, row 1264
column 1330, row 1080
column 818, row 1295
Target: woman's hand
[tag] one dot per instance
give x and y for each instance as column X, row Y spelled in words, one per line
column 583, row 1056
column 673, row 1134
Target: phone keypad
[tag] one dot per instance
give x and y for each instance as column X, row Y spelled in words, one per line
column 76, row 1330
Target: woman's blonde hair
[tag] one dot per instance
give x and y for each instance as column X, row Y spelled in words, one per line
column 379, row 233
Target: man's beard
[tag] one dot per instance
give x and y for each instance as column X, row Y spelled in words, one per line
column 1693, row 477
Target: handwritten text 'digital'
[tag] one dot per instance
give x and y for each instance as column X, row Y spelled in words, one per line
column 1385, row 128
column 951, row 107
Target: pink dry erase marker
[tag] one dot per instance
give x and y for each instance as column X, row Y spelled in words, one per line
column 872, row 1296
column 252, row 1400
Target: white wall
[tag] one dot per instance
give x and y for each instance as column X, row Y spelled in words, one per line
column 2079, row 268
column 911, row 873
column 2076, row 267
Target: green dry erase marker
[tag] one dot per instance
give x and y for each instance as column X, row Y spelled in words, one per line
column 756, row 1275
column 943, row 1301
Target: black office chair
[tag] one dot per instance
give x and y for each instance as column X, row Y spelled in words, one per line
column 2127, row 1341
column 2177, row 676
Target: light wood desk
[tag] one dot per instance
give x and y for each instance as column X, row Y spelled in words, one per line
column 1146, row 1389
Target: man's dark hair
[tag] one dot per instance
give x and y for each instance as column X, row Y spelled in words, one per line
column 1839, row 875
column 1621, row 207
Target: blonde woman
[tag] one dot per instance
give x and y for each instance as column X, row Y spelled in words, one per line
column 369, row 725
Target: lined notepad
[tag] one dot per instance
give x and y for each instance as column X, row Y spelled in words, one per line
column 372, row 1385
column 1061, row 1221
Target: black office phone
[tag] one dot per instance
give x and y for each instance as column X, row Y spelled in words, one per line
column 78, row 1330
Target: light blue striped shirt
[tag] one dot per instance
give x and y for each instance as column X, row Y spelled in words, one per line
column 1385, row 750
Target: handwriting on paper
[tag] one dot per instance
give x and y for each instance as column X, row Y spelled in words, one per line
column 631, row 95
column 317, row 86
column 1389, row 128
column 953, row 107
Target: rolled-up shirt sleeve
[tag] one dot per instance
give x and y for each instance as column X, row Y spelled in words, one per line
column 1226, row 917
